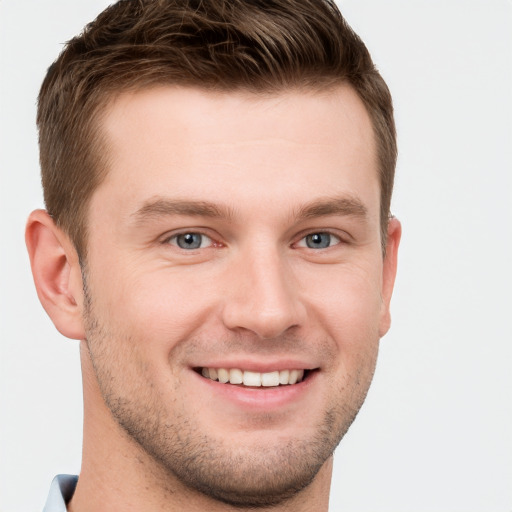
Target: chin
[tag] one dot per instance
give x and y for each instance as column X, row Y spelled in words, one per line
column 251, row 475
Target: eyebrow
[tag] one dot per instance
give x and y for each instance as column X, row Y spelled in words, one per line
column 162, row 207
column 343, row 206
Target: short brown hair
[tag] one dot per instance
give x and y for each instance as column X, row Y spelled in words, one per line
column 225, row 45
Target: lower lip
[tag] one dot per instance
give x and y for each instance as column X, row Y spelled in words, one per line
column 260, row 398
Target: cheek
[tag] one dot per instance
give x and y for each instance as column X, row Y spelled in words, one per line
column 157, row 308
column 348, row 301
column 347, row 308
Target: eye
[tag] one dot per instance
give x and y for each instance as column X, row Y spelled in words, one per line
column 190, row 241
column 320, row 240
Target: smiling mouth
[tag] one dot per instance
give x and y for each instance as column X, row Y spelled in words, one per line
column 254, row 379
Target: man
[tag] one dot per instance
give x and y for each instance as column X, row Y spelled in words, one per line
column 217, row 177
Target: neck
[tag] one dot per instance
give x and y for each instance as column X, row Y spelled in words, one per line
column 117, row 475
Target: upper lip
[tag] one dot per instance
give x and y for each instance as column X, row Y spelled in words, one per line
column 259, row 366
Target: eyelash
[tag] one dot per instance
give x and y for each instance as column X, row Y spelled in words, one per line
column 303, row 241
column 173, row 240
column 338, row 239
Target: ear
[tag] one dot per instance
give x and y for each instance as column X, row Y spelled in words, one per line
column 56, row 272
column 389, row 272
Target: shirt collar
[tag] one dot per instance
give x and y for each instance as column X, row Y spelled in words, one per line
column 61, row 491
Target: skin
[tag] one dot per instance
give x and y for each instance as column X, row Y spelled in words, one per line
column 254, row 176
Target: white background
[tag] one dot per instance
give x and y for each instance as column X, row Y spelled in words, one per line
column 436, row 431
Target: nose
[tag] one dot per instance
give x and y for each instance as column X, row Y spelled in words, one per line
column 262, row 296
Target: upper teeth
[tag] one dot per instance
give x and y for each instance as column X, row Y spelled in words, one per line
column 255, row 379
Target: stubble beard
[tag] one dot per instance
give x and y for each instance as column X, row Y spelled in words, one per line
column 242, row 476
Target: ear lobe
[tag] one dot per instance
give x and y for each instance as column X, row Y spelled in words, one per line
column 389, row 272
column 56, row 272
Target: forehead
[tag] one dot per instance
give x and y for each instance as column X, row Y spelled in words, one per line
column 236, row 147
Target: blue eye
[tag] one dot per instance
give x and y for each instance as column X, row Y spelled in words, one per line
column 319, row 241
column 190, row 241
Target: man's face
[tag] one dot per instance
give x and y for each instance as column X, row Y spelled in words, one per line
column 236, row 235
